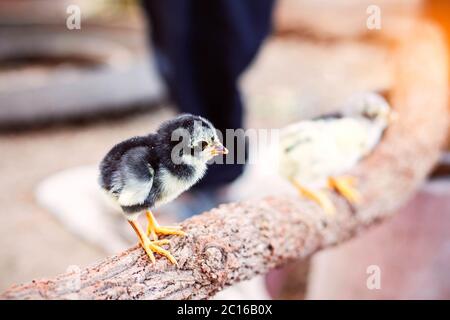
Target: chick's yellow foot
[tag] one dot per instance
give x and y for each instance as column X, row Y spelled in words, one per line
column 155, row 246
column 152, row 247
column 317, row 196
column 154, row 229
column 345, row 186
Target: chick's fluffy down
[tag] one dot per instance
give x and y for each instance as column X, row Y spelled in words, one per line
column 311, row 151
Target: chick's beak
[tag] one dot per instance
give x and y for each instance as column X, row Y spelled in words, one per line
column 218, row 148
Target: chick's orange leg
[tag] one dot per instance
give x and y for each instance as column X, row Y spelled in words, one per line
column 345, row 185
column 317, row 196
column 154, row 229
column 151, row 247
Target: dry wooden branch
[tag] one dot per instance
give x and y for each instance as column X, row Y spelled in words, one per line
column 237, row 241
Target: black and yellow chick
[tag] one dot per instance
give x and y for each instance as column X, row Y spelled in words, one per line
column 145, row 172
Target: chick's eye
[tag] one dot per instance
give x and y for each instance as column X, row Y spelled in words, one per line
column 202, row 145
column 369, row 115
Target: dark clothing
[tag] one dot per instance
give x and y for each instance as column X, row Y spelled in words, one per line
column 201, row 48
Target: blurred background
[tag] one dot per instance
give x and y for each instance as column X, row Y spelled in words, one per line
column 67, row 96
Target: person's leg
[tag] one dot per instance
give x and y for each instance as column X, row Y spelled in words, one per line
column 227, row 36
column 170, row 24
column 202, row 48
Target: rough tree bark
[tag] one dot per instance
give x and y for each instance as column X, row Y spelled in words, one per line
column 238, row 241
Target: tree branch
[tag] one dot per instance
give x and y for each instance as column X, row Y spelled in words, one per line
column 238, row 241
